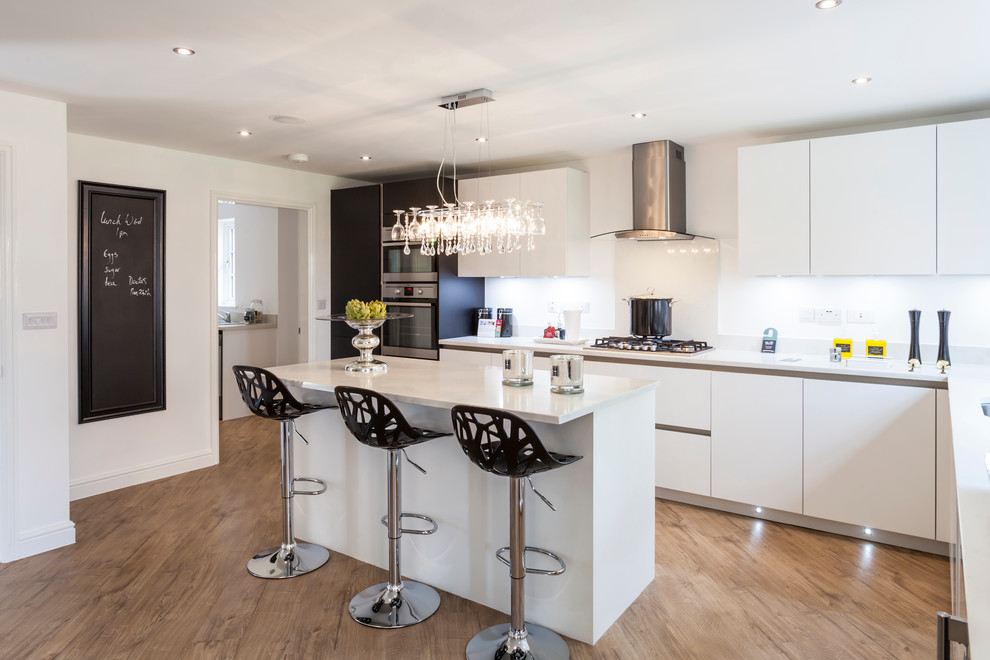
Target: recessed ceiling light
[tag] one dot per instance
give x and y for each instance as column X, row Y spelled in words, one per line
column 828, row 4
column 287, row 119
column 183, row 51
column 244, row 133
column 861, row 81
column 365, row 157
column 481, row 139
column 638, row 115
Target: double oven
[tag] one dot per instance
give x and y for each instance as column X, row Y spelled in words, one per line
column 410, row 284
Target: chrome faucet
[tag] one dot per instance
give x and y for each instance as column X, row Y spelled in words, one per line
column 224, row 316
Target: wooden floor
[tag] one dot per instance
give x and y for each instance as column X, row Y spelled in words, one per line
column 158, row 571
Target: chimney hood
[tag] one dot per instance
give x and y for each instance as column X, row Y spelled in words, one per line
column 659, row 196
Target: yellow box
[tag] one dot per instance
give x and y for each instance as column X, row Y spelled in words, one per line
column 844, row 345
column 876, row 348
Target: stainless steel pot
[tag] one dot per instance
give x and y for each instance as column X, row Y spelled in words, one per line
column 649, row 316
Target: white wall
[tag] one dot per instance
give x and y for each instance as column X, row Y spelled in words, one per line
column 115, row 453
column 256, row 248
column 34, row 494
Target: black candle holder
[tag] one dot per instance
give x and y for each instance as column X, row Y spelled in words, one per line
column 914, row 356
column 943, row 340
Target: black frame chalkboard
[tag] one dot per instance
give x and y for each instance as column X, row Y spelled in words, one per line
column 121, row 300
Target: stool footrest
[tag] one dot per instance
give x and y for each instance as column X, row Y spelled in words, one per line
column 414, row 531
column 312, row 481
column 536, row 571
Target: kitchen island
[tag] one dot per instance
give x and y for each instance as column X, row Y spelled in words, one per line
column 604, row 524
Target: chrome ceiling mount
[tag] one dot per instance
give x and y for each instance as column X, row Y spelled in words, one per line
column 466, row 99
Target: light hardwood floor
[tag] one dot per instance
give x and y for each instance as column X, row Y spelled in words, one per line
column 158, row 571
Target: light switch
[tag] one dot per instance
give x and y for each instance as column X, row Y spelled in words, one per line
column 39, row 320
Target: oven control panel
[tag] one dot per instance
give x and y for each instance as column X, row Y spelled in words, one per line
column 409, row 291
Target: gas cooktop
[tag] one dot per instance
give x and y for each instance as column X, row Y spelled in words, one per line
column 652, row 345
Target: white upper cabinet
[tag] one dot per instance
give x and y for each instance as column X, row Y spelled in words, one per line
column 774, row 209
column 964, row 197
column 873, row 203
column 565, row 248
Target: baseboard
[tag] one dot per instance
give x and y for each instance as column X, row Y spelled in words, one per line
column 798, row 520
column 43, row 539
column 105, row 483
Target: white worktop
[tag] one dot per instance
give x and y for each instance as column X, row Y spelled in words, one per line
column 720, row 358
column 968, row 387
column 440, row 384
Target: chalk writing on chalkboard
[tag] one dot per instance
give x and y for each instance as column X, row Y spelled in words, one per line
column 121, row 300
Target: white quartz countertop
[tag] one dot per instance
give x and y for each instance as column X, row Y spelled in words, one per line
column 718, row 358
column 968, row 387
column 440, row 384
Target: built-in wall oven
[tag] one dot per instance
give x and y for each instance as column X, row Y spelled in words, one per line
column 397, row 266
column 415, row 336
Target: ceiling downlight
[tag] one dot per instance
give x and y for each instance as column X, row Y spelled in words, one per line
column 862, row 80
column 828, row 4
column 183, row 51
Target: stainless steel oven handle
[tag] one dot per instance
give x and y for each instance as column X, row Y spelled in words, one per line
column 409, row 304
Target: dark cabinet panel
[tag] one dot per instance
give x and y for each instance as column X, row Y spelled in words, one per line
column 355, row 252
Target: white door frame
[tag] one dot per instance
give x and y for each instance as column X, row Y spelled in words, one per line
column 8, row 423
column 241, row 198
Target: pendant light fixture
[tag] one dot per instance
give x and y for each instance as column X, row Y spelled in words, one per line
column 468, row 227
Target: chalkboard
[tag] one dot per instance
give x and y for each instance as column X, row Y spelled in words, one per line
column 121, row 301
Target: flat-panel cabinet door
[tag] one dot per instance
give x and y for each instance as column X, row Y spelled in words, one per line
column 964, row 197
column 470, row 265
column 775, row 209
column 683, row 395
column 756, row 440
column 945, row 472
column 565, row 248
column 684, row 462
column 873, row 203
column 869, row 455
column 498, row 189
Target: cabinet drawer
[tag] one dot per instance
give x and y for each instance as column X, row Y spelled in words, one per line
column 684, row 462
column 683, row 397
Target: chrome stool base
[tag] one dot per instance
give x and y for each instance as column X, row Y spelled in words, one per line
column 495, row 643
column 381, row 607
column 275, row 563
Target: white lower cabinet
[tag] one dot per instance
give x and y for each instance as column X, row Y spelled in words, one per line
column 683, row 396
column 684, row 462
column 870, row 455
column 467, row 357
column 756, row 443
column 945, row 474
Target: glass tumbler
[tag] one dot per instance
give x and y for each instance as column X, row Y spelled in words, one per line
column 567, row 374
column 517, row 368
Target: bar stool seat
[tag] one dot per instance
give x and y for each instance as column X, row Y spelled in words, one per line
column 504, row 444
column 376, row 421
column 267, row 396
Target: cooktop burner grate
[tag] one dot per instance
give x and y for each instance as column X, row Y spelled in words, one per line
column 652, row 345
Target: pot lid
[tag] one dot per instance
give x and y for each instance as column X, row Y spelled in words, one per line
column 647, row 296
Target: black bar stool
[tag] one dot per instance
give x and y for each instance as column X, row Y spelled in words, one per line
column 268, row 397
column 377, row 422
column 501, row 443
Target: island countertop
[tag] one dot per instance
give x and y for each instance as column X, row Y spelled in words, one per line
column 441, row 384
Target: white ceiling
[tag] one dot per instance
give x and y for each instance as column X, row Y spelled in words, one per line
column 367, row 76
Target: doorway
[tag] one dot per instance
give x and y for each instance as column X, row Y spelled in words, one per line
column 261, row 258
column 7, row 453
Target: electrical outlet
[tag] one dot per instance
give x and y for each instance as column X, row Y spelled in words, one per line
column 806, row 315
column 586, row 307
column 829, row 316
column 552, row 307
column 860, row 316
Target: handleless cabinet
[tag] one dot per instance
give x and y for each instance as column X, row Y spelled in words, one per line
column 870, row 455
column 496, row 189
column 945, row 474
column 355, row 257
column 757, row 443
column 873, row 203
column 964, row 198
column 775, row 209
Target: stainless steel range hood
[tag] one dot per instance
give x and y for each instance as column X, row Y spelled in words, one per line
column 659, row 196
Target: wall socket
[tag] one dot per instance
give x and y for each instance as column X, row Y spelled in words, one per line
column 553, row 306
column 39, row 321
column 829, row 316
column 806, row 315
column 860, row 316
